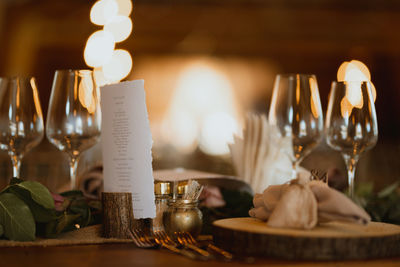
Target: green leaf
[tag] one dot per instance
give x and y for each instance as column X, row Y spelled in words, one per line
column 49, row 229
column 66, row 203
column 394, row 215
column 88, row 218
column 388, row 190
column 72, row 193
column 79, row 209
column 16, row 218
column 40, row 214
column 94, row 204
column 39, row 193
column 84, row 212
column 66, row 223
column 364, row 189
column 15, row 181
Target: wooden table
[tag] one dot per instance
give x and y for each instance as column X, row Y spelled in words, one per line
column 129, row 255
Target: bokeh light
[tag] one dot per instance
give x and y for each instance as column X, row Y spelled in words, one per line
column 99, row 76
column 315, row 103
column 217, row 131
column 124, row 7
column 205, row 95
column 181, row 131
column 85, row 92
column 120, row 27
column 103, row 11
column 109, row 66
column 355, row 71
column 99, row 48
column 119, row 66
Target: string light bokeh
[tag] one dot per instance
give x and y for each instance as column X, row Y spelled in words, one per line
column 110, row 65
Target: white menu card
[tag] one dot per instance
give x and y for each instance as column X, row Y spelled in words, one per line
column 126, row 145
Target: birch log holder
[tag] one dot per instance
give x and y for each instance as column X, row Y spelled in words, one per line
column 118, row 220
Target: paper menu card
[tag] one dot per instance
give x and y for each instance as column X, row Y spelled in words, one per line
column 126, row 145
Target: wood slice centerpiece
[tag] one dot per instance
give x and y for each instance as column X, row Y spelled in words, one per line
column 328, row 241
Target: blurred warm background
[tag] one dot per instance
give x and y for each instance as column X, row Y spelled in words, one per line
column 206, row 64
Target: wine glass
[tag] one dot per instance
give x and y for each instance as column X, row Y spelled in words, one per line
column 295, row 116
column 21, row 119
column 351, row 124
column 74, row 120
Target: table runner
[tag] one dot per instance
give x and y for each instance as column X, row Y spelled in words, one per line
column 84, row 236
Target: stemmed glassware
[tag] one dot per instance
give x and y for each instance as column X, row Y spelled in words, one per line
column 351, row 124
column 21, row 119
column 74, row 118
column 295, row 115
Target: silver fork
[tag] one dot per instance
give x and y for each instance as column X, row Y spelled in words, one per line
column 141, row 239
column 186, row 241
column 165, row 241
column 227, row 256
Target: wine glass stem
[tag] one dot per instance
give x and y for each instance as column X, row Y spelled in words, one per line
column 73, row 167
column 351, row 163
column 16, row 162
column 295, row 164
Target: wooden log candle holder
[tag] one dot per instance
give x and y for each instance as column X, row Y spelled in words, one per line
column 118, row 218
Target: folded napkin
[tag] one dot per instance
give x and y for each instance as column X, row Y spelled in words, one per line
column 91, row 182
column 303, row 203
column 262, row 157
column 335, row 206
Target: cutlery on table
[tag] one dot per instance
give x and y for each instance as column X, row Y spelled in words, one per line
column 190, row 240
column 162, row 239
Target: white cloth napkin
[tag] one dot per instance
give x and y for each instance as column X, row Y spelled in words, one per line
column 303, row 203
column 261, row 158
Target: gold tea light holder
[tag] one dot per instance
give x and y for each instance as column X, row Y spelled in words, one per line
column 182, row 213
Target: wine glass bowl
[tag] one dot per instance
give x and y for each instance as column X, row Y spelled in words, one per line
column 74, row 120
column 351, row 123
column 295, row 115
column 21, row 119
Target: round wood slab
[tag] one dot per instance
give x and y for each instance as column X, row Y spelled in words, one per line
column 328, row 241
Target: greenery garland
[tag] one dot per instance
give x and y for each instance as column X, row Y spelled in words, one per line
column 28, row 209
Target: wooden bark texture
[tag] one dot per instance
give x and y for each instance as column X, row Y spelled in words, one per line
column 329, row 241
column 118, row 218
